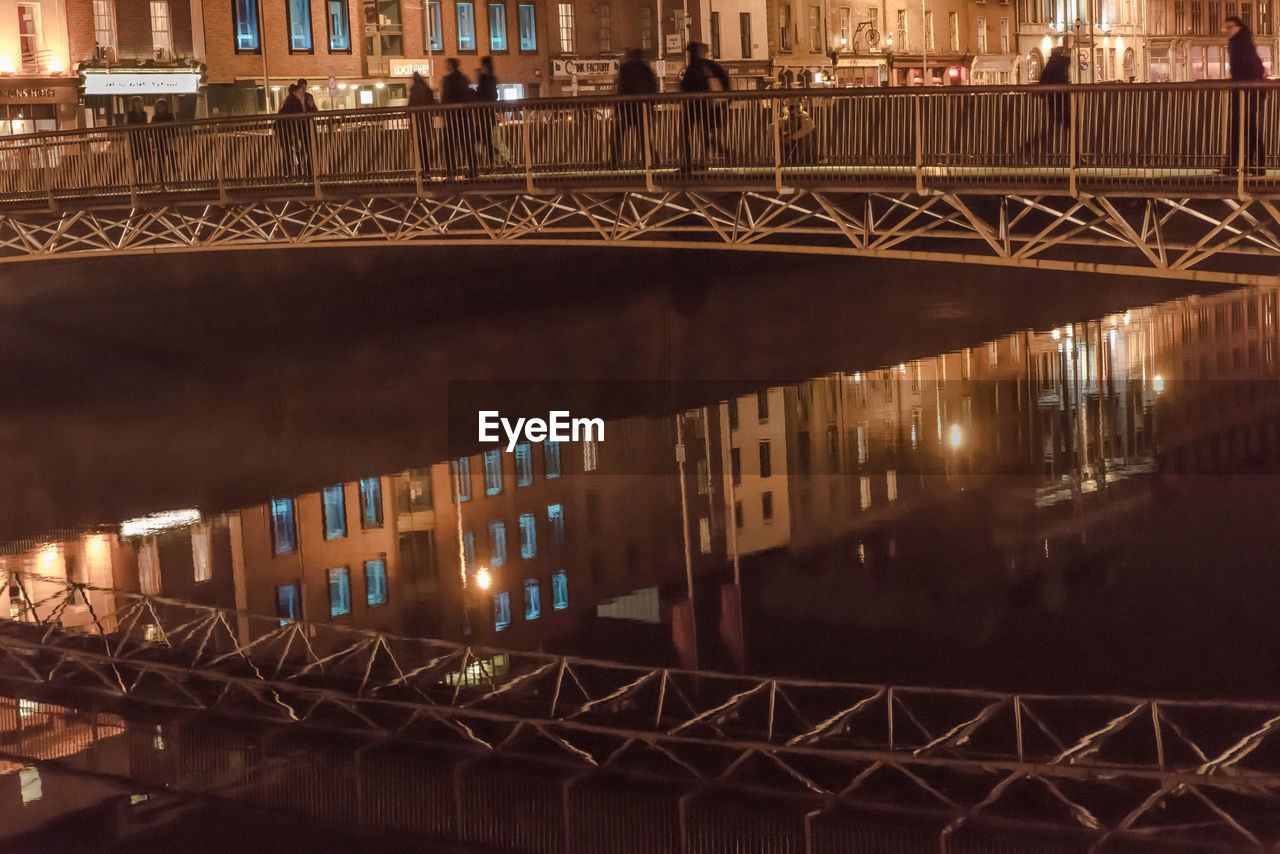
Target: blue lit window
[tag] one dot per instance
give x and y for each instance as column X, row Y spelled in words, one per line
column 555, row 517
column 501, row 611
column 283, row 531
column 335, row 513
column 375, row 579
column 339, row 592
column 437, row 28
column 299, row 24
column 288, row 602
column 560, row 591
column 551, row 455
column 466, row 26
column 468, row 550
column 370, row 502
column 245, row 13
column 528, row 28
column 532, row 599
column 339, row 26
column 462, row 478
column 497, row 26
column 528, row 536
column 524, row 464
column 497, row 543
column 492, row 472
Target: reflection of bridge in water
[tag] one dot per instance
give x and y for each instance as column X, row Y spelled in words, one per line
column 440, row 739
column 1130, row 181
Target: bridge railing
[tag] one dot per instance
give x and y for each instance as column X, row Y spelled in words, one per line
column 1135, row 139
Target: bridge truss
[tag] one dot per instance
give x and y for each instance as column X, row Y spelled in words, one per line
column 1226, row 241
column 1099, row 770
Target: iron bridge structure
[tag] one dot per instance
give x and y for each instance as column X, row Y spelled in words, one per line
column 1123, row 179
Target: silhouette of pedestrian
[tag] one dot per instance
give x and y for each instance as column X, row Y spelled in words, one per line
column 140, row 140
column 420, row 95
column 487, row 118
column 289, row 131
column 1056, row 72
column 458, row 123
column 635, row 77
column 1245, row 65
column 163, row 142
column 700, row 115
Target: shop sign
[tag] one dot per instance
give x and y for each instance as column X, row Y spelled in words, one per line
column 584, row 67
column 141, row 82
column 28, row 94
column 408, row 67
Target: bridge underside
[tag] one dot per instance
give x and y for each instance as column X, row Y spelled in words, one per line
column 1208, row 240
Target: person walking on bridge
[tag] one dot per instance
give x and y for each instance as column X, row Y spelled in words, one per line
column 420, row 95
column 702, row 75
column 166, row 157
column 1245, row 65
column 459, row 134
column 1057, row 105
column 139, row 139
column 635, row 77
column 487, row 92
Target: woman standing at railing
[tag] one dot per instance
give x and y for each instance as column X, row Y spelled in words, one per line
column 163, row 141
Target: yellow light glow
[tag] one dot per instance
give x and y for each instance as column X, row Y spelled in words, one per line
column 483, row 579
column 1056, row 335
column 49, row 561
column 96, row 552
column 1158, row 383
column 56, row 66
column 955, row 436
column 7, row 65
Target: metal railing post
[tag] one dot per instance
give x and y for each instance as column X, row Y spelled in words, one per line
column 415, row 139
column 48, row 174
column 918, row 109
column 777, row 144
column 646, row 139
column 314, row 158
column 219, row 167
column 128, row 169
column 526, row 132
column 1073, row 148
column 1241, row 124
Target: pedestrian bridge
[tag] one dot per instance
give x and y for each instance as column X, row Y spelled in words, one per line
column 1180, row 180
column 1093, row 772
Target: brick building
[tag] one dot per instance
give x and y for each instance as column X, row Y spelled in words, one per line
column 37, row 56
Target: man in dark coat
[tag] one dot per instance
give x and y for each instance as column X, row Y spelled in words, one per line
column 487, row 92
column 635, row 77
column 459, row 124
column 420, row 95
column 702, row 75
column 1245, row 65
column 1056, row 72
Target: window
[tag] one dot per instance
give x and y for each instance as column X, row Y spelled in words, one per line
column 555, row 518
column 862, row 444
column 784, row 26
column 1004, row 35
column 1180, row 17
column 497, row 543
column 864, row 484
column 161, row 30
column 846, row 28
column 528, row 536
column 497, row 26
column 982, row 35
column 953, row 31
column 532, row 599
column 704, row 477
column 436, row 25
column 492, row 472
column 245, row 13
column 335, row 513
column 524, row 464
column 201, row 552
column 891, row 484
column 766, row 464
column 29, row 785
column 566, row 27
column 604, row 16
column 29, row 28
column 646, row 28
column 928, row 31
column 551, row 458
column 1264, row 17
column 340, row 25
column 375, row 581
column 704, row 535
column 371, row 502
column 737, row 514
column 339, row 591
column 1246, row 14
column 766, row 506
column 104, row 25
column 744, row 27
column 284, row 534
column 902, row 42
column 299, row 25
column 462, row 478
column 466, row 26
column 715, row 35
column 501, row 611
column 735, row 465
column 468, row 550
column 590, row 455
column 733, row 414
column 560, row 591
column 815, row 29
column 762, row 405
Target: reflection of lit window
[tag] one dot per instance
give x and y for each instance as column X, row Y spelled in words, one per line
column 704, row 535
column 501, row 611
column 704, row 477
column 200, row 553
column 590, row 455
column 149, row 567
column 29, row 784
column 152, row 633
column 288, row 598
column 462, row 478
column 891, row 483
column 862, row 443
column 766, row 461
column 551, row 458
column 766, row 506
column 524, row 464
column 528, row 536
column 555, row 518
column 865, row 491
column 27, row 708
column 375, row 577
column 532, row 599
column 335, row 512
column 282, row 528
column 371, row 502
column 560, row 591
column 492, row 472
column 497, row 543
column 339, row 591
column 468, row 550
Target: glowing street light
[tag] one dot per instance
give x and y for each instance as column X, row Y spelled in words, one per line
column 955, row 436
column 483, row 579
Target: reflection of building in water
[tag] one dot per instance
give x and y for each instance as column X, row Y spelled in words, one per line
column 756, row 494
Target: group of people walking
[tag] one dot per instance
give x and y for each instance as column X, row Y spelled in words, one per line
column 152, row 150
column 458, row 136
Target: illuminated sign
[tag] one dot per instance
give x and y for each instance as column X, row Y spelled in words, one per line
column 408, row 67
column 141, row 82
column 28, row 94
column 584, row 67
